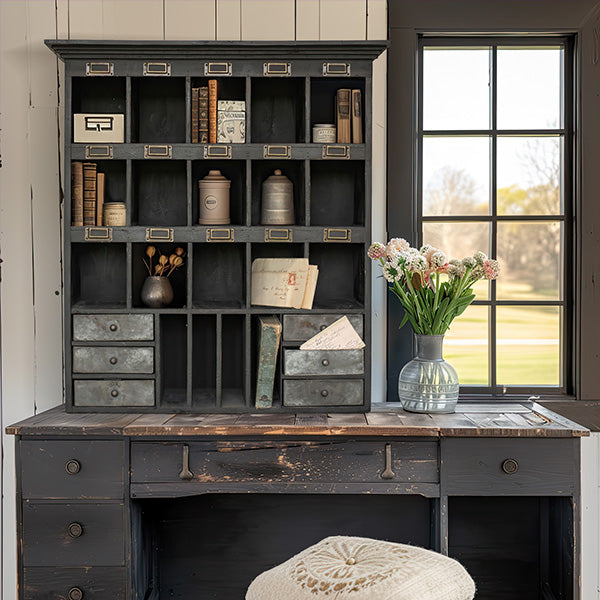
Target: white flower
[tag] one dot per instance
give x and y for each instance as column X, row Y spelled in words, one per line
column 455, row 270
column 425, row 249
column 438, row 259
column 391, row 273
column 415, row 262
column 469, row 261
column 479, row 257
column 396, row 245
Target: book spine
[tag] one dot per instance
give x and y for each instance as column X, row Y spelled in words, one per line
column 195, row 95
column 99, row 199
column 357, row 136
column 212, row 111
column 89, row 194
column 203, row 115
column 267, row 361
column 343, row 116
column 77, row 193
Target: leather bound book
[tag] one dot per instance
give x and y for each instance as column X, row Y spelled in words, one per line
column 343, row 116
column 212, row 111
column 357, row 137
column 268, row 345
column 77, row 193
column 89, row 194
column 203, row 116
column 195, row 95
column 99, row 198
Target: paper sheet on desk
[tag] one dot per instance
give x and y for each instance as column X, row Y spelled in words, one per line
column 338, row 336
column 279, row 281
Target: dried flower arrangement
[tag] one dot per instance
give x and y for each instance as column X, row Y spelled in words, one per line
column 165, row 264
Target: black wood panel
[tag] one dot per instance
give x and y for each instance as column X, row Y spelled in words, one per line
column 173, row 352
column 98, row 95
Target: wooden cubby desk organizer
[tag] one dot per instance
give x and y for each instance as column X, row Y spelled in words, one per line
column 200, row 353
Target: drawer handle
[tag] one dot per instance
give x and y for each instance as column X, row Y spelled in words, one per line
column 387, row 472
column 114, row 393
column 323, row 327
column 325, row 362
column 73, row 467
column 75, row 530
column 113, row 360
column 324, row 393
column 75, row 593
column 510, row 466
column 113, row 327
column 185, row 474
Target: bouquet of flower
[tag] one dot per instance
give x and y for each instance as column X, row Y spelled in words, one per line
column 165, row 265
column 432, row 289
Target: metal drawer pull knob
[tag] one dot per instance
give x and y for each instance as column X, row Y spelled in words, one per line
column 186, row 474
column 387, row 472
column 114, row 393
column 75, row 530
column 510, row 466
column 324, row 393
column 323, row 327
column 112, row 360
column 325, row 362
column 113, row 327
column 75, row 593
column 73, row 467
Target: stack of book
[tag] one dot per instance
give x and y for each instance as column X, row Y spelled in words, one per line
column 87, row 194
column 348, row 111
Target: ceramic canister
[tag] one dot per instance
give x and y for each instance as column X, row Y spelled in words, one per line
column 277, row 200
column 114, row 214
column 324, row 133
column 214, row 199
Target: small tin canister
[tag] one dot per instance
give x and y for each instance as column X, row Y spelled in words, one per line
column 114, row 214
column 214, row 199
column 324, row 133
column 277, row 200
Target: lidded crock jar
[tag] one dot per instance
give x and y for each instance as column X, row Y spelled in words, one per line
column 214, row 199
column 277, row 200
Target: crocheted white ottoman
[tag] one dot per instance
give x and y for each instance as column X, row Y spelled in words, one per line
column 353, row 568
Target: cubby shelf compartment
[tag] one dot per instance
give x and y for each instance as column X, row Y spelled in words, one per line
column 173, row 360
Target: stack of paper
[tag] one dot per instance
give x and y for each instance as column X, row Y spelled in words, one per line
column 338, row 336
column 283, row 282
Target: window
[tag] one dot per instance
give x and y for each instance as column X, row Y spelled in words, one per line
column 495, row 174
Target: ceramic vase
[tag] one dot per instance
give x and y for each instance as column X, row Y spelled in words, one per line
column 157, row 292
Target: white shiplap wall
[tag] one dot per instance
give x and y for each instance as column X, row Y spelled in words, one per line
column 30, row 181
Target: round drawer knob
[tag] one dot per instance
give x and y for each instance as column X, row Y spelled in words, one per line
column 73, row 466
column 113, row 327
column 325, row 362
column 323, row 327
column 510, row 466
column 114, row 393
column 74, row 530
column 75, row 593
column 113, row 360
column 324, row 393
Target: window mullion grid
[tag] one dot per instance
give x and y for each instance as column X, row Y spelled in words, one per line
column 492, row 353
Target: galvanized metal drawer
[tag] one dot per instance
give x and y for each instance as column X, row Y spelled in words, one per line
column 73, row 535
column 71, row 469
column 284, row 462
column 472, row 466
column 299, row 328
column 98, row 359
column 110, row 328
column 323, row 362
column 118, row 392
column 323, row 392
column 74, row 583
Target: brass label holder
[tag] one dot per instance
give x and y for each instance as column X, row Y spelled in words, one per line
column 218, row 68
column 277, row 69
column 157, row 69
column 336, row 69
column 337, row 235
column 278, row 235
column 104, row 151
column 218, row 151
column 159, row 234
column 98, row 234
column 158, row 151
column 336, row 152
column 277, row 152
column 99, row 69
column 219, row 235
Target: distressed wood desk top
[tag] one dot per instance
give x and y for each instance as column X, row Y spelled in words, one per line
column 386, row 420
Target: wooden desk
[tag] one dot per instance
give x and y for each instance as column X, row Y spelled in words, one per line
column 156, row 506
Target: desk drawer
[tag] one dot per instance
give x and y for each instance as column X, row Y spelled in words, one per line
column 491, row 466
column 286, row 462
column 73, row 535
column 323, row 362
column 108, row 359
column 75, row 583
column 110, row 328
column 124, row 392
column 72, row 469
column 323, row 392
column 299, row 328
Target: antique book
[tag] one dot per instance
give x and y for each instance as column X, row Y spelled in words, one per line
column 268, row 346
column 342, row 113
column 203, row 115
column 99, row 198
column 77, row 193
column 231, row 127
column 212, row 111
column 311, row 286
column 357, row 137
column 340, row 335
column 89, row 193
column 279, row 282
column 195, row 107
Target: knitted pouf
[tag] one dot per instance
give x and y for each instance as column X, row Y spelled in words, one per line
column 353, row 568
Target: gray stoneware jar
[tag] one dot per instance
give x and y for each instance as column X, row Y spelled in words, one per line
column 277, row 200
column 214, row 199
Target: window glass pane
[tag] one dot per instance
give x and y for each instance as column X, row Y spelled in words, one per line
column 456, row 88
column 529, row 88
column 456, row 176
column 528, row 342
column 458, row 240
column 466, row 346
column 529, row 175
column 530, row 256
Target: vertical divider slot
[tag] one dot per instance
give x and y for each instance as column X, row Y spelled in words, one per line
column 248, row 362
column 307, row 192
column 307, row 110
column 157, row 361
column 190, row 359
column 248, row 215
column 219, row 361
column 189, row 193
column 129, row 259
column 128, row 110
column 248, row 109
column 188, row 110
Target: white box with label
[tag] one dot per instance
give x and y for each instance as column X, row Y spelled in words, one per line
column 88, row 127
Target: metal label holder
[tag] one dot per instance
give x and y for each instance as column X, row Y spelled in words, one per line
column 218, row 151
column 277, row 152
column 159, row 234
column 98, row 234
column 220, row 235
column 104, row 152
column 336, row 69
column 158, row 69
column 278, row 235
column 337, row 235
column 161, row 151
column 218, row 68
column 99, row 69
column 342, row 152
column 277, row 69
